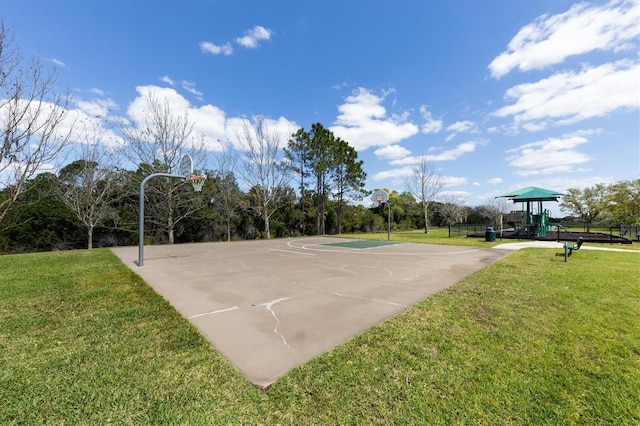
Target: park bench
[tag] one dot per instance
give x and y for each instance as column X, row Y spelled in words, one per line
column 569, row 248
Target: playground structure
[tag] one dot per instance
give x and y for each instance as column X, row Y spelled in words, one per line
column 532, row 221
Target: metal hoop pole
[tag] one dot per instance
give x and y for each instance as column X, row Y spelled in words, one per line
column 388, row 221
column 141, row 213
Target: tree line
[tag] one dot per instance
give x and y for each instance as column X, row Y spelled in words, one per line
column 50, row 214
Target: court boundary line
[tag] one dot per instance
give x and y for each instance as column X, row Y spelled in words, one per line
column 338, row 249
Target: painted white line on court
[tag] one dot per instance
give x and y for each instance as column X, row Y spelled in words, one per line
column 338, row 249
column 233, row 308
column 268, row 306
column 291, row 251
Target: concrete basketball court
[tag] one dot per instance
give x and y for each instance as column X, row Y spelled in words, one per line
column 271, row 305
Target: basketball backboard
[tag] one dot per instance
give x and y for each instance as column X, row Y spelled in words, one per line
column 186, row 166
column 380, row 197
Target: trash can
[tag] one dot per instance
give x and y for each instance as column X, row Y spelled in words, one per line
column 490, row 234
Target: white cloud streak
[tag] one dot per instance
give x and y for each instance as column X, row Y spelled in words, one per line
column 431, row 125
column 251, row 40
column 253, row 36
column 549, row 156
column 461, row 127
column 168, row 80
column 391, row 152
column 216, row 49
column 569, row 97
column 583, row 28
column 190, row 87
column 96, row 107
column 399, row 174
column 446, row 155
column 58, row 63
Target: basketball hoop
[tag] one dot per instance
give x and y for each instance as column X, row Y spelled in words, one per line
column 379, row 197
column 197, row 182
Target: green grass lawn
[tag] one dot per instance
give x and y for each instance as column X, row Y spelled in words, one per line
column 528, row 340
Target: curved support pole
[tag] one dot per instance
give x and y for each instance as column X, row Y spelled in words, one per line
column 141, row 213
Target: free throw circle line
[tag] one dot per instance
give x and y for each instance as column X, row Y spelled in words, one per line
column 314, row 247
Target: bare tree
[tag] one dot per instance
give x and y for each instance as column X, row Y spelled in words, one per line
column 424, row 183
column 32, row 121
column 262, row 168
column 493, row 210
column 227, row 194
column 157, row 144
column 87, row 184
column 452, row 209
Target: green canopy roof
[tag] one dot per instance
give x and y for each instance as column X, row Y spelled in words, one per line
column 532, row 193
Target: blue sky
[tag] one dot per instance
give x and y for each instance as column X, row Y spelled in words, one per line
column 497, row 94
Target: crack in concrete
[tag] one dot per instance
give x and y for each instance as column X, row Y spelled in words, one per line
column 268, row 306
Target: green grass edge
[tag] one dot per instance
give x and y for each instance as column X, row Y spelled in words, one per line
column 529, row 339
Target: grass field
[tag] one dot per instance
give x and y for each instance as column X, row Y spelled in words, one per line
column 528, row 340
column 441, row 236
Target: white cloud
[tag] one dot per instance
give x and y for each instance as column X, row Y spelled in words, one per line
column 252, row 37
column 449, row 181
column 208, row 120
column 585, row 132
column 396, row 174
column 190, row 87
column 363, row 122
column 583, row 28
column 96, row 107
column 460, row 127
column 137, row 108
column 447, row 155
column 57, row 62
column 168, row 80
column 392, row 152
column 457, row 197
column 431, row 125
column 494, row 181
column 97, row 91
column 399, row 174
column 251, row 40
column 453, row 154
column 214, row 49
column 549, row 156
column 281, row 129
column 569, row 97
